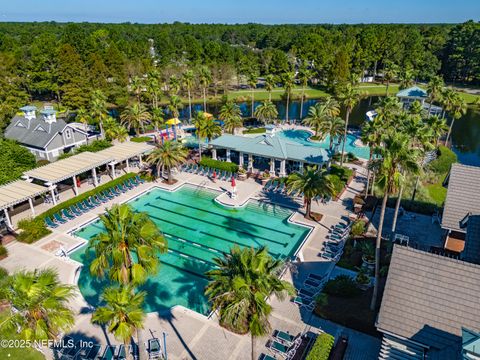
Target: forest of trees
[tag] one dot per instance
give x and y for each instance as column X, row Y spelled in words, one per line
column 66, row 62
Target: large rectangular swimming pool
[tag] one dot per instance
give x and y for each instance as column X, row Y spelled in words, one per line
column 197, row 230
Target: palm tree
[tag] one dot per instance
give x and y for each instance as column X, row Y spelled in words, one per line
column 387, row 109
column 252, row 82
column 269, row 85
column 174, row 105
column 167, row 156
column 206, row 128
column 316, row 115
column 304, row 76
column 153, row 88
column 135, row 116
column 239, row 288
column 205, row 78
column 457, row 107
column 288, row 80
column 438, row 127
column 389, row 74
column 266, row 112
column 83, row 117
column 98, row 108
column 173, row 85
column 434, row 88
column 38, row 304
column 372, row 137
column 333, row 127
column 406, row 78
column 188, row 78
column 312, row 183
column 231, row 115
column 349, row 97
column 115, row 131
column 395, row 154
column 127, row 250
column 157, row 118
column 122, row 312
column 136, row 87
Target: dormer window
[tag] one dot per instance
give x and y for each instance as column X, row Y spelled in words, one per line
column 20, row 124
column 39, row 128
column 68, row 134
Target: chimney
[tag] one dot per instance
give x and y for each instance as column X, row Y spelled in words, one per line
column 49, row 115
column 29, row 112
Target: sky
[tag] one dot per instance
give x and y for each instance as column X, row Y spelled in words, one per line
column 242, row 11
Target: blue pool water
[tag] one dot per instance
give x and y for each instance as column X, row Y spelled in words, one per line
column 197, row 230
column 302, row 136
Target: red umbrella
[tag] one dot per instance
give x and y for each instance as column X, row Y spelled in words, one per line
column 214, row 175
column 233, row 187
column 233, row 182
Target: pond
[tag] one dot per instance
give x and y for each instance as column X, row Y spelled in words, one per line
column 465, row 134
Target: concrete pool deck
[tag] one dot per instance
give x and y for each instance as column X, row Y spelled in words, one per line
column 189, row 334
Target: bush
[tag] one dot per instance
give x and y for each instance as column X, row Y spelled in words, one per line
column 349, row 157
column 420, row 207
column 444, row 161
column 358, row 228
column 42, row 162
column 94, row 146
column 3, row 253
column 3, row 273
column 32, row 230
column 141, row 139
column 343, row 173
column 342, row 286
column 338, row 184
column 219, row 165
column 322, row 347
column 255, row 131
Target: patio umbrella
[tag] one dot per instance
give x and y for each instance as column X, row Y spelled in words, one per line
column 234, row 190
column 173, row 122
column 214, row 175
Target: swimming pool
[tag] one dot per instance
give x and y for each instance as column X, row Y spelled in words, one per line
column 197, row 230
column 301, row 137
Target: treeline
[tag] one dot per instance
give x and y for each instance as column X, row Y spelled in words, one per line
column 66, row 62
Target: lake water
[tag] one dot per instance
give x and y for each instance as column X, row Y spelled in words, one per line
column 465, row 134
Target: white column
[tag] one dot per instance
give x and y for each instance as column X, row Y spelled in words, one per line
column 30, row 202
column 214, row 154
column 75, row 187
column 250, row 162
column 52, row 191
column 128, row 165
column 272, row 167
column 7, row 218
column 113, row 170
column 228, row 156
column 282, row 168
column 300, row 166
column 140, row 160
column 240, row 159
column 94, row 175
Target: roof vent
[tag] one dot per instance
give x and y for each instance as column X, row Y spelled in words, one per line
column 49, row 115
column 29, row 112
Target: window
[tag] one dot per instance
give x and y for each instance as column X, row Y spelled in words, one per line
column 68, row 134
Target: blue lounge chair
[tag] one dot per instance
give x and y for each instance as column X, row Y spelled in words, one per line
column 122, row 353
column 58, row 218
column 67, row 215
column 153, row 348
column 102, row 198
column 273, row 186
column 280, row 188
column 132, row 182
column 50, row 223
column 316, row 277
column 108, row 353
column 121, row 188
column 82, row 207
column 107, row 195
column 127, row 184
column 92, row 353
column 94, row 201
column 75, row 211
column 279, row 348
column 266, row 357
column 87, row 205
column 139, row 179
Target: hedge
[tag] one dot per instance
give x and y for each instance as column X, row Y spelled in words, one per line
column 32, row 230
column 443, row 163
column 3, row 251
column 219, row 165
column 141, row 139
column 343, row 173
column 420, row 207
column 255, row 131
column 322, row 347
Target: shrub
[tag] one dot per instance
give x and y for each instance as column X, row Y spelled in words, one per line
column 141, row 139
column 255, row 131
column 94, row 146
column 322, row 347
column 420, row 207
column 342, row 286
column 349, row 157
column 219, row 165
column 444, row 161
column 42, row 162
column 3, row 253
column 32, row 230
column 358, row 228
column 338, row 184
column 3, row 273
column 343, row 173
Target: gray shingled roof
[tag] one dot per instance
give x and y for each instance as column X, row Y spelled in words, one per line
column 428, row 298
column 471, row 252
column 463, row 195
column 272, row 146
column 34, row 132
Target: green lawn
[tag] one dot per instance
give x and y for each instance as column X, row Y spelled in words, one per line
column 16, row 353
column 437, row 193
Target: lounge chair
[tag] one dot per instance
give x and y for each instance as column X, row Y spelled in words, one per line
column 108, row 353
column 82, row 207
column 107, row 195
column 280, row 188
column 312, row 283
column 283, row 350
column 75, row 211
column 316, row 277
column 122, row 188
column 274, row 185
column 50, row 223
column 266, row 357
column 94, row 201
column 127, row 185
column 71, row 352
column 285, row 337
column 66, row 214
column 194, row 169
column 153, row 348
column 307, row 293
column 122, row 353
column 92, row 353
column 58, row 218
column 139, row 179
column 304, row 302
column 114, row 191
column 331, row 256
column 100, row 198
column 87, row 204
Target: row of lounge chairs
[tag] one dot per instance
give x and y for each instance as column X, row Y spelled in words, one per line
column 312, row 286
column 207, row 171
column 84, row 206
column 336, row 239
column 283, row 344
column 83, row 351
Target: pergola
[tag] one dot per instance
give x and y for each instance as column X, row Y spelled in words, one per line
column 124, row 152
column 17, row 192
column 53, row 173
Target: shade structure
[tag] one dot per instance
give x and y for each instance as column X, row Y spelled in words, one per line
column 69, row 167
column 173, row 121
column 19, row 191
column 126, row 150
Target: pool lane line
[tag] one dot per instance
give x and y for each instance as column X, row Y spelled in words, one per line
column 225, row 216
column 285, row 244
